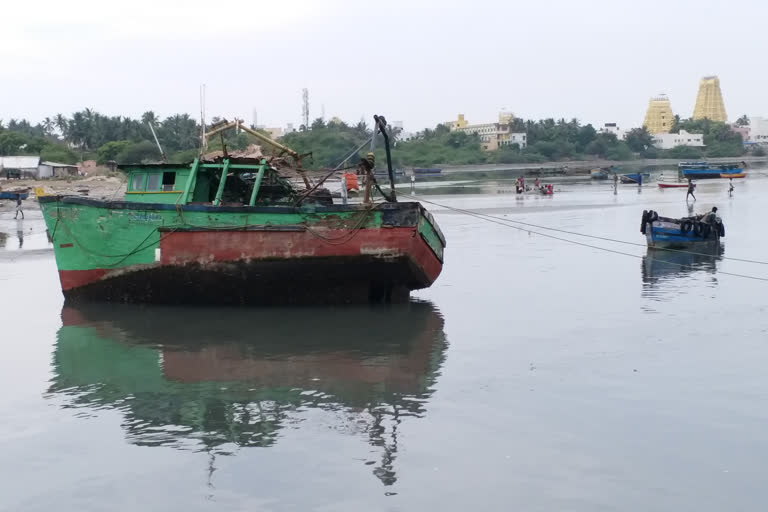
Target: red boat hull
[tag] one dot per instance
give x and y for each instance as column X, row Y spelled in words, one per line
column 245, row 267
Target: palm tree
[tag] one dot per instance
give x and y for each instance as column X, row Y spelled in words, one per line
column 148, row 117
column 61, row 124
column 48, row 126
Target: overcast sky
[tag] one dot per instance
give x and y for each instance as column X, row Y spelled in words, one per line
column 421, row 62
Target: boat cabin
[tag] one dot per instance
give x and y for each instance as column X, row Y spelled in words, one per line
column 229, row 182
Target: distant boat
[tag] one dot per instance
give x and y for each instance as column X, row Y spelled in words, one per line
column 421, row 170
column 634, row 177
column 704, row 170
column 11, row 194
column 599, row 174
column 665, row 232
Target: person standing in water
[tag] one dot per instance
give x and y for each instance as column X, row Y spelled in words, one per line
column 18, row 207
column 615, row 183
column 730, row 187
column 691, row 186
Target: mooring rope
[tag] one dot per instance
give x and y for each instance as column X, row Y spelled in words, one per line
column 503, row 222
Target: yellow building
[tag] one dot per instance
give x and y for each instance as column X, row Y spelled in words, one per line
column 659, row 117
column 458, row 124
column 709, row 100
column 492, row 135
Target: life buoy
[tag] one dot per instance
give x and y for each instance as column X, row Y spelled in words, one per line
column 686, row 226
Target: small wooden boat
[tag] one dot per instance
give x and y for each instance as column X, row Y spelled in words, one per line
column 598, row 174
column 665, row 232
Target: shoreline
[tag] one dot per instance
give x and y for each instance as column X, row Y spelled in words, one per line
column 586, row 165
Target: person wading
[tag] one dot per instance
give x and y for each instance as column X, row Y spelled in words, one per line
column 691, row 186
column 18, row 207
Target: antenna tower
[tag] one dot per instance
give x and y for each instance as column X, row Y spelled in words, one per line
column 305, row 107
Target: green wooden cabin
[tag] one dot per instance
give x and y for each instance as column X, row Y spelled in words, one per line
column 229, row 182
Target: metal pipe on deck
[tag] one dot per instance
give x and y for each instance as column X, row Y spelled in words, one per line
column 257, row 183
column 190, row 181
column 222, row 182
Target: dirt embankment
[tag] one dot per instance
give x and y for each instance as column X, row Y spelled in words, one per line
column 100, row 187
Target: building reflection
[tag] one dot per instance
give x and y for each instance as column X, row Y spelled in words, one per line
column 666, row 273
column 219, row 379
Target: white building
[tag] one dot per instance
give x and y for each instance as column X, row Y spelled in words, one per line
column 671, row 140
column 758, row 130
column 27, row 166
column 614, row 129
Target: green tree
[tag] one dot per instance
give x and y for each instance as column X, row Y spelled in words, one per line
column 111, row 150
column 639, row 139
column 318, row 124
column 13, row 143
column 684, row 152
column 743, row 120
column 138, row 152
column 58, row 153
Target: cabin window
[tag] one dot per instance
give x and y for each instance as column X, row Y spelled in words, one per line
column 169, row 180
column 137, row 183
column 153, row 182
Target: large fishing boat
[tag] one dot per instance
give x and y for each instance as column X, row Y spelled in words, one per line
column 683, row 233
column 242, row 231
column 704, row 170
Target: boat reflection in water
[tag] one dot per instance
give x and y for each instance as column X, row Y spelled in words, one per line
column 219, row 379
column 666, row 272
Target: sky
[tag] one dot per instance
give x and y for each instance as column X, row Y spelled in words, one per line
column 420, row 61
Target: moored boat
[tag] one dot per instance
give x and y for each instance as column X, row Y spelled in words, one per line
column 599, row 174
column 636, row 177
column 704, row 170
column 237, row 231
column 13, row 194
column 666, row 232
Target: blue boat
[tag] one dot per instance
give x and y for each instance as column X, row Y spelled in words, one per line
column 683, row 233
column 704, row 170
column 634, row 177
column 12, row 195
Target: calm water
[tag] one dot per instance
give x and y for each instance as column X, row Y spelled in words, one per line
column 535, row 375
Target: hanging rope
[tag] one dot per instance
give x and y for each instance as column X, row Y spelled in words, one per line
column 503, row 222
column 595, row 237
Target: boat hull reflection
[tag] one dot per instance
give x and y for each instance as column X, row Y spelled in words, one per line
column 218, row 377
column 665, row 271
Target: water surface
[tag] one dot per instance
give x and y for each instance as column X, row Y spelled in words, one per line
column 535, row 374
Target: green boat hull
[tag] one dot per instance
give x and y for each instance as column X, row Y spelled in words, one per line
column 126, row 251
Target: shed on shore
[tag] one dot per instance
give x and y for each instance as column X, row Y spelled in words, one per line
column 57, row 170
column 20, row 166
